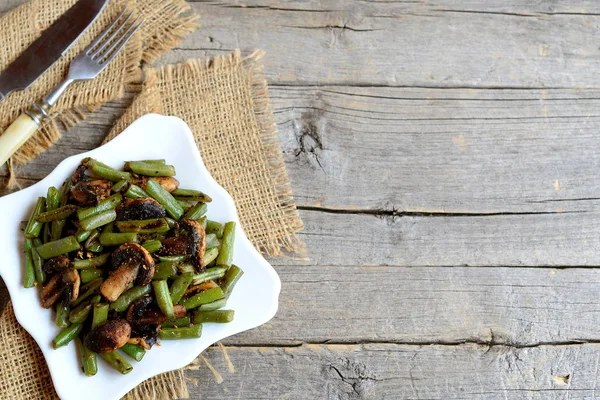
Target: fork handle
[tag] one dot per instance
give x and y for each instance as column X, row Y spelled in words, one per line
column 19, row 132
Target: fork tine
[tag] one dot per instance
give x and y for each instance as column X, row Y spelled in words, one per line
column 113, row 37
column 104, row 32
column 122, row 41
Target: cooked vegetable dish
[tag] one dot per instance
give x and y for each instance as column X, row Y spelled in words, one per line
column 126, row 258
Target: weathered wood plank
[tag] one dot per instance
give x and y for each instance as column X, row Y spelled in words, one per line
column 388, row 371
column 516, row 306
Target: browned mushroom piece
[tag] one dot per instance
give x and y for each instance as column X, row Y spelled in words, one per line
column 57, row 264
column 130, row 262
column 89, row 193
column 190, row 241
column 62, row 286
column 142, row 208
column 144, row 312
column 169, row 183
column 200, row 288
column 108, row 336
column 79, row 174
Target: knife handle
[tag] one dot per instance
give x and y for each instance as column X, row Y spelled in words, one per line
column 16, row 135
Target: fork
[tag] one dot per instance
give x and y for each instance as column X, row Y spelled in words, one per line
column 87, row 65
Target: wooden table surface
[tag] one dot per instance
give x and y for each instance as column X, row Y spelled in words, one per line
column 444, row 156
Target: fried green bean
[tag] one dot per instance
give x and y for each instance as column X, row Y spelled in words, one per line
column 152, row 245
column 186, row 205
column 79, row 314
column 38, row 263
column 227, row 243
column 56, row 227
column 123, row 302
column 215, row 227
column 173, row 258
column 29, row 280
column 163, row 298
column 160, row 161
column 232, row 276
column 58, row 247
column 178, row 323
column 66, row 335
column 57, row 214
column 210, row 274
column 205, row 297
column 135, row 192
column 217, row 316
column 116, row 239
column 82, row 235
column 215, row 305
column 117, row 361
column 52, row 198
column 88, row 359
column 157, row 225
column 88, row 275
column 62, row 316
column 134, row 351
column 96, row 247
column 172, row 223
column 98, row 220
column 210, row 255
column 104, row 171
column 197, row 211
column 185, row 268
column 164, row 270
column 165, row 198
column 91, row 262
column 34, row 227
column 87, row 290
column 119, row 186
column 151, row 169
column 212, row 241
column 99, row 314
column 190, row 332
column 189, row 194
column 179, row 286
column 110, row 203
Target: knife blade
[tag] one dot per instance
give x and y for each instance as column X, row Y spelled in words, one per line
column 49, row 47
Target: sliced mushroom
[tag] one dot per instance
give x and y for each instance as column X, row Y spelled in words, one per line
column 191, row 241
column 174, row 246
column 63, row 285
column 79, row 174
column 57, row 264
column 131, row 262
column 89, row 193
column 142, row 208
column 108, row 336
column 170, row 184
column 143, row 312
column 200, row 288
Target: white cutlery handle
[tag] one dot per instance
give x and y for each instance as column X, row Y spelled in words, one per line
column 16, row 135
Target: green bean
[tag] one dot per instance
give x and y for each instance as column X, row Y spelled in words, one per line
column 96, row 247
column 162, row 161
column 164, row 270
column 110, row 203
column 34, row 227
column 46, row 235
column 202, row 222
column 186, row 205
column 210, row 255
column 98, row 220
column 87, row 290
column 212, row 241
column 90, row 274
column 165, row 198
column 56, row 227
column 192, row 195
column 232, row 276
column 215, row 305
column 211, row 273
column 109, row 228
column 134, row 351
column 119, row 186
column 117, row 362
column 185, row 268
column 58, row 247
column 29, row 280
column 52, row 198
column 104, row 171
column 226, row 250
column 38, row 263
column 205, row 297
column 144, row 226
column 179, row 323
column 152, row 245
column 116, row 239
column 197, row 211
column 151, row 169
column 82, row 235
column 79, row 314
column 99, row 314
column 172, row 223
column 62, row 316
column 88, row 359
column 135, row 192
column 91, row 262
column 191, row 332
column 163, row 298
column 215, row 227
column 93, row 238
column 217, row 316
column 123, row 302
column 57, row 214
column 66, row 335
column 179, row 287
column 172, row 258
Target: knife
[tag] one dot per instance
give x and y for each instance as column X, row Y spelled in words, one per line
column 49, row 47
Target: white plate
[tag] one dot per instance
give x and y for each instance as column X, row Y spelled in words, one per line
column 254, row 298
